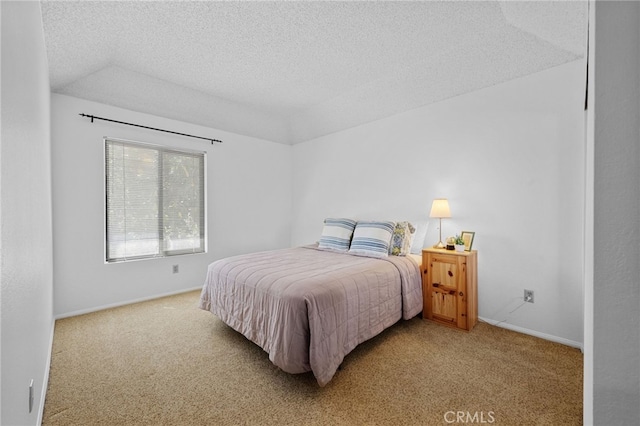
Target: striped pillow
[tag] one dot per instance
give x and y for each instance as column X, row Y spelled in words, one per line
column 372, row 238
column 336, row 234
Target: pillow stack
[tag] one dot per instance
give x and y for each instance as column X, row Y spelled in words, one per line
column 367, row 238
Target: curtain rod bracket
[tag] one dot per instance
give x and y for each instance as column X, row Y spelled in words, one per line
column 92, row 117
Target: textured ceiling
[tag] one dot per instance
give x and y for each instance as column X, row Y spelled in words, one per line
column 292, row 71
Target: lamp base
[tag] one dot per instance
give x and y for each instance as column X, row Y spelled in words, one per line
column 440, row 244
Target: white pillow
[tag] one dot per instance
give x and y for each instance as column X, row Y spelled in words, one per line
column 372, row 238
column 419, row 237
column 336, row 234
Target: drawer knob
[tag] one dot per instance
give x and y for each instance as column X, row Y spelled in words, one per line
column 461, row 294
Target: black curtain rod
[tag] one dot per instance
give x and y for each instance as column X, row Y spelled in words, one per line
column 93, row 117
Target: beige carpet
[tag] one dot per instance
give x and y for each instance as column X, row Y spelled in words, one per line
column 165, row 362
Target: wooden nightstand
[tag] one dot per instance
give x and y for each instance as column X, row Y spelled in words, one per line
column 450, row 287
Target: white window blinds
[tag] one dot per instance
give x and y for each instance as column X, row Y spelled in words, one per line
column 155, row 201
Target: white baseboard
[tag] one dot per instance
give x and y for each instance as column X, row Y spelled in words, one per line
column 544, row 336
column 127, row 302
column 45, row 379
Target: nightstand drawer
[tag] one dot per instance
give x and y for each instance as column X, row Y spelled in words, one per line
column 444, row 306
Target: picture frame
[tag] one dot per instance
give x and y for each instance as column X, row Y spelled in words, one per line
column 468, row 236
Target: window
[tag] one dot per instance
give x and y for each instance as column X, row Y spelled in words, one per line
column 155, row 201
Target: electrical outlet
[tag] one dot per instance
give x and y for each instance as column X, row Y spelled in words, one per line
column 176, row 269
column 528, row 296
column 31, row 396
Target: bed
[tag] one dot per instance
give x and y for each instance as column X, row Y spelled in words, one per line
column 308, row 307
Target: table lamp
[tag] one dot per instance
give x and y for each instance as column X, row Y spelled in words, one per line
column 440, row 209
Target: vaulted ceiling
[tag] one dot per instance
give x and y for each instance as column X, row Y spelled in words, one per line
column 290, row 71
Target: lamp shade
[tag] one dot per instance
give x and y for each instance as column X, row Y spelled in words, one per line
column 440, row 208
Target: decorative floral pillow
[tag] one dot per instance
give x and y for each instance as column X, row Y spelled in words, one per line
column 402, row 239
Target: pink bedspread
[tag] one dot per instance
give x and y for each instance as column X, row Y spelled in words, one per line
column 309, row 308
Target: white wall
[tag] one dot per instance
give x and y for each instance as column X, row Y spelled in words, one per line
column 510, row 159
column 616, row 289
column 25, row 214
column 249, row 205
